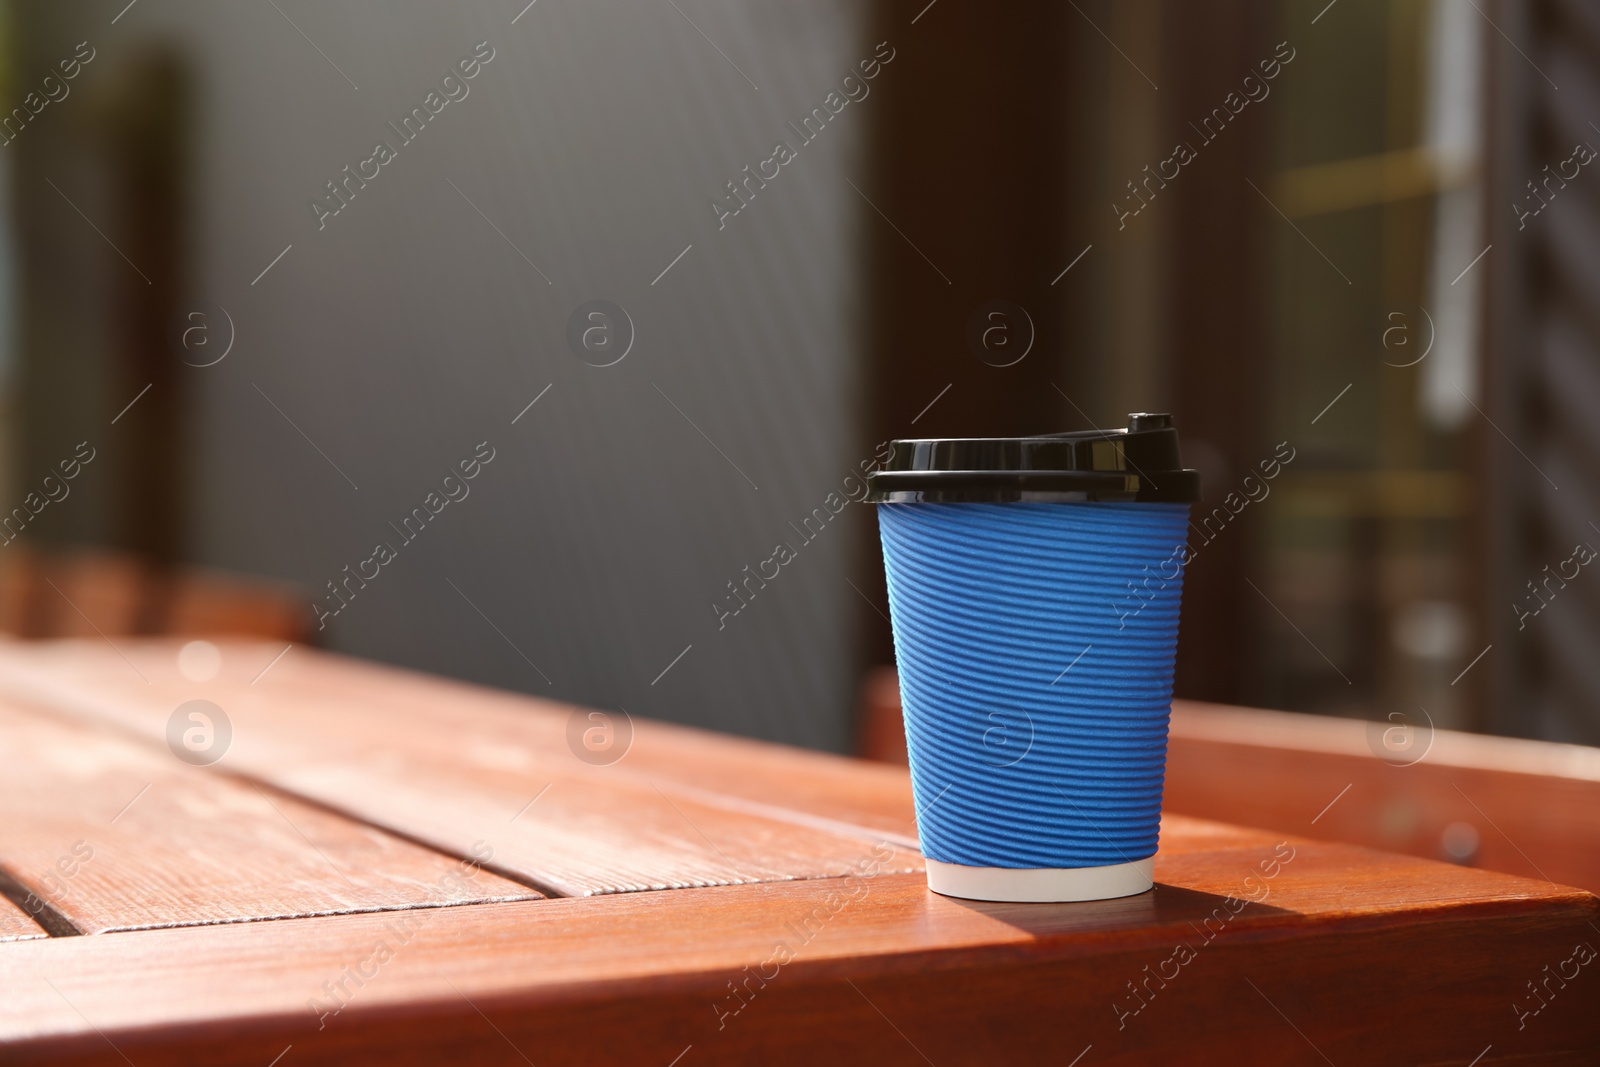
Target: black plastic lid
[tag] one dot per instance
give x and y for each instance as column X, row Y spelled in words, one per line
column 1137, row 463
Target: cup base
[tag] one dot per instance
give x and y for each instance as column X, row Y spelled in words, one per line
column 1039, row 885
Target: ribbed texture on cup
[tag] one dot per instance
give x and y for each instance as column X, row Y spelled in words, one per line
column 1013, row 763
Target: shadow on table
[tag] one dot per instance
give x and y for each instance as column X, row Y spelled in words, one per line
column 1203, row 914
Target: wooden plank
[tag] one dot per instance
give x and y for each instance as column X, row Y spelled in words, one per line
column 15, row 925
column 452, row 765
column 877, row 970
column 575, row 833
column 108, row 834
column 480, row 725
column 1533, row 807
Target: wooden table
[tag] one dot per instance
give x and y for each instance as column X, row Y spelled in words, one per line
column 385, row 867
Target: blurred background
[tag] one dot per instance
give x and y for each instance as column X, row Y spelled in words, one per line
column 677, row 267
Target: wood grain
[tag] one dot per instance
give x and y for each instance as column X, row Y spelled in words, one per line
column 471, row 722
column 452, row 765
column 1533, row 806
column 1350, row 956
column 15, row 925
column 108, row 834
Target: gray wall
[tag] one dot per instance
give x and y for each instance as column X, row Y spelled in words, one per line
column 407, row 330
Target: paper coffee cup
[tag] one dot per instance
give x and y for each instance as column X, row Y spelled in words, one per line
column 1034, row 585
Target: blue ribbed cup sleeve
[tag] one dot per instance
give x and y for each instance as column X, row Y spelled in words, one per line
column 1036, row 644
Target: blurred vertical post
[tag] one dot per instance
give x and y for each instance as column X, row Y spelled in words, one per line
column 1217, row 351
column 974, row 197
column 144, row 129
column 101, row 191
